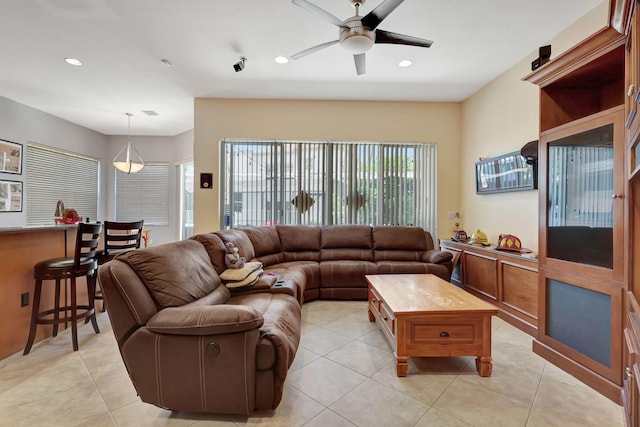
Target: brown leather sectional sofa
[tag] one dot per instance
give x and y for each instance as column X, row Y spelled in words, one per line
column 189, row 343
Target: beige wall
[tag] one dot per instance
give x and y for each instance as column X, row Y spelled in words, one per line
column 501, row 118
column 498, row 119
column 324, row 120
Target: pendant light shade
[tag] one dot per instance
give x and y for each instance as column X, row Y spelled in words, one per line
column 128, row 160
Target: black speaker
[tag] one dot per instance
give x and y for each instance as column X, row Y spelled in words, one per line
column 544, row 53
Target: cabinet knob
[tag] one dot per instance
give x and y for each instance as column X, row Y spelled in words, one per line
column 617, row 196
column 444, row 334
column 631, row 90
column 627, row 371
column 385, row 318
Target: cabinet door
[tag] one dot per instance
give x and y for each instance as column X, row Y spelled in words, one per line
column 584, row 199
column 633, row 72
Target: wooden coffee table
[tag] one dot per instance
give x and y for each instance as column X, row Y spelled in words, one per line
column 423, row 315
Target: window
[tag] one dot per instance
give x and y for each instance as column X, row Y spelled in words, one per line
column 186, row 200
column 287, row 182
column 144, row 195
column 54, row 175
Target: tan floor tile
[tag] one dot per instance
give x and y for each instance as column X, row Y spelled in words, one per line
column 372, row 404
column 427, row 379
column 324, row 380
column 376, row 338
column 481, row 407
column 560, row 404
column 328, row 418
column 361, row 357
column 295, row 409
column 354, row 325
column 139, row 414
column 434, row 418
column 323, row 341
column 303, row 357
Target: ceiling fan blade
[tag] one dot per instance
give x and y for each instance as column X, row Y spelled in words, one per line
column 313, row 49
column 377, row 15
column 361, row 65
column 318, row 11
column 395, row 38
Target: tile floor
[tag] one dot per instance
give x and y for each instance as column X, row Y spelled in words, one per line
column 343, row 375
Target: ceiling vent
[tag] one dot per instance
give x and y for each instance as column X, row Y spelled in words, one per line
column 150, row 112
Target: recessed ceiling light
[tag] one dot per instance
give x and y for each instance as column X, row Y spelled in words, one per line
column 73, row 61
column 405, row 63
column 281, row 59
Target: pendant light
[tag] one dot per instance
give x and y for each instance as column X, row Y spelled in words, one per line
column 128, row 159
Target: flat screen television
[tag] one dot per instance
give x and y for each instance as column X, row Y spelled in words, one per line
column 508, row 172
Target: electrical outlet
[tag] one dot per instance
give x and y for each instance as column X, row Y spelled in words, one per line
column 24, row 299
column 451, row 215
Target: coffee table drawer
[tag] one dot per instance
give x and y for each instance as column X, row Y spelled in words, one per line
column 386, row 315
column 444, row 334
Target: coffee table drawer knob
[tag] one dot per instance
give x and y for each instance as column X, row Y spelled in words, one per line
column 444, row 334
column 385, row 318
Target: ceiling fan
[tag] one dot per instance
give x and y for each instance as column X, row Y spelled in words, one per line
column 359, row 33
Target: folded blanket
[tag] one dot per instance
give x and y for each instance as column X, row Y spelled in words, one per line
column 248, row 281
column 239, row 274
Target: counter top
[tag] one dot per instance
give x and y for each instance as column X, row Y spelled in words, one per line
column 14, row 230
column 531, row 256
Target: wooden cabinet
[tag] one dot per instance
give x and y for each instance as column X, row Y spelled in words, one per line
column 507, row 280
column 582, row 201
column 631, row 354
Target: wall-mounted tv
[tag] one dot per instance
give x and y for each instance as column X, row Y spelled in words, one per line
column 509, row 172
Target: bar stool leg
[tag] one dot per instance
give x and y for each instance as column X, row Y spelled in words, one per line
column 56, row 312
column 91, row 289
column 35, row 309
column 74, row 314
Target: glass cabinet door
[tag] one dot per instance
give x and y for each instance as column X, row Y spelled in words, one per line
column 580, row 204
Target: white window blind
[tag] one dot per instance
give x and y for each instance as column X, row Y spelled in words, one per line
column 144, row 195
column 292, row 182
column 54, row 175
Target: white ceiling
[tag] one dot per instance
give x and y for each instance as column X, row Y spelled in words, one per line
column 121, row 43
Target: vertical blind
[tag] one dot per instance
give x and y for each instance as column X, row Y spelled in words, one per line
column 54, row 175
column 580, row 186
column 292, row 182
column 144, row 195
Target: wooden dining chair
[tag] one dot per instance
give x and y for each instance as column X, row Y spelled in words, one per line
column 82, row 264
column 119, row 237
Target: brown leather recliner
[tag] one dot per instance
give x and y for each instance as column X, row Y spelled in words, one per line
column 187, row 343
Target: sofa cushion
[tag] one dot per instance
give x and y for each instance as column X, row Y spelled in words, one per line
column 345, row 274
column 215, row 248
column 205, row 320
column 300, row 242
column 240, row 240
column 266, row 244
column 398, row 243
column 176, row 273
column 346, row 242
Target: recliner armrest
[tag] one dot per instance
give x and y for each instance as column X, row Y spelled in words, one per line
column 205, row 320
column 437, row 257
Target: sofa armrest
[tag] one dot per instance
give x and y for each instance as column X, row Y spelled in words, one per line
column 437, row 257
column 205, row 320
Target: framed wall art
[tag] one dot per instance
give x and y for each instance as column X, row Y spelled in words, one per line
column 509, row 172
column 10, row 157
column 10, row 196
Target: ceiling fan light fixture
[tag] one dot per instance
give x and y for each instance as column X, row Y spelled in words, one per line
column 357, row 43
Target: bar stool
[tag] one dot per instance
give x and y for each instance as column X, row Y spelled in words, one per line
column 83, row 263
column 119, row 237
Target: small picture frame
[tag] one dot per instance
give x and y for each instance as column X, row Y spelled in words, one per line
column 10, row 196
column 10, row 157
